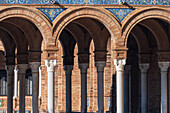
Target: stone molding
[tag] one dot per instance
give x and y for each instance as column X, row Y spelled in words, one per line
column 144, row 67
column 83, row 67
column 50, row 65
column 164, row 66
column 35, row 66
column 119, row 63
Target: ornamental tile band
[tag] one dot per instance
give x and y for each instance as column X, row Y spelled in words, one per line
column 120, row 13
column 52, row 13
column 132, row 2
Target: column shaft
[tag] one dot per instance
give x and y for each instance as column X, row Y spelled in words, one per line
column 35, row 71
column 15, row 83
column 22, row 71
column 68, row 72
column 40, row 90
column 144, row 87
column 10, row 84
column 100, row 83
column 164, row 85
column 119, row 84
column 83, row 69
column 50, row 76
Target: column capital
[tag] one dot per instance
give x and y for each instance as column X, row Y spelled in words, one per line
column 127, row 68
column 164, row 66
column 22, row 68
column 84, row 66
column 50, row 65
column 119, row 63
column 100, row 65
column 68, row 69
column 35, row 66
column 144, row 67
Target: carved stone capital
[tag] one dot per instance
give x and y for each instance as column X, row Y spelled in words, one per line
column 50, row 65
column 119, row 63
column 144, row 67
column 127, row 69
column 35, row 66
column 100, row 65
column 68, row 69
column 83, row 67
column 164, row 66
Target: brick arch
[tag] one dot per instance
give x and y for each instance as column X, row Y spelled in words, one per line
column 142, row 14
column 102, row 15
column 30, row 14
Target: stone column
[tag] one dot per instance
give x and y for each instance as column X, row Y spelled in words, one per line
column 22, row 72
column 15, row 82
column 40, row 90
column 83, row 69
column 50, row 76
column 68, row 72
column 35, row 71
column 100, row 71
column 10, row 89
column 164, row 86
column 119, row 63
column 126, row 88
column 144, row 87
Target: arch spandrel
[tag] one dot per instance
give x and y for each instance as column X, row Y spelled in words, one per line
column 69, row 15
column 31, row 14
column 141, row 14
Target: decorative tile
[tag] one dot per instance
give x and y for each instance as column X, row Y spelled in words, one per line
column 52, row 13
column 120, row 13
column 132, row 2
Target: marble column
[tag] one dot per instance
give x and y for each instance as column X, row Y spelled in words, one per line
column 68, row 72
column 40, row 90
column 144, row 87
column 15, row 82
column 126, row 88
column 10, row 89
column 50, row 76
column 35, row 71
column 100, row 83
column 119, row 63
column 22, row 72
column 83, row 69
column 164, row 85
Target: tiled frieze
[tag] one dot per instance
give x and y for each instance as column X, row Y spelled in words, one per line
column 133, row 2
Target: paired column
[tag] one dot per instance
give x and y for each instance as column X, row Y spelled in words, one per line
column 10, row 84
column 50, row 76
column 22, row 71
column 15, row 82
column 100, row 71
column 83, row 69
column 119, row 84
column 35, row 71
column 126, row 88
column 144, row 87
column 164, row 86
column 68, row 72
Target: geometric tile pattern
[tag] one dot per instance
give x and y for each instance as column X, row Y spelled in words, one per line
column 51, row 13
column 120, row 13
column 132, row 2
